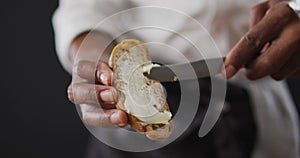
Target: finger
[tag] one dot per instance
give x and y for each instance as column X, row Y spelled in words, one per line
column 84, row 93
column 291, row 67
column 274, row 2
column 289, row 70
column 95, row 72
column 98, row 117
column 266, row 30
column 283, row 74
column 280, row 58
column 257, row 13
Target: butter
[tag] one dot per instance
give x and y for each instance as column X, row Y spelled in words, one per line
column 148, row 68
column 145, row 106
column 143, row 97
column 175, row 78
column 158, row 118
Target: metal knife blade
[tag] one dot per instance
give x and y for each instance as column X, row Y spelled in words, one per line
column 198, row 69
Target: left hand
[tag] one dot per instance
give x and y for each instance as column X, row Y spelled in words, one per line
column 91, row 87
column 275, row 33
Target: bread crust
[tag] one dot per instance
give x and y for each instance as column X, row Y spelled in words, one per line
column 152, row 131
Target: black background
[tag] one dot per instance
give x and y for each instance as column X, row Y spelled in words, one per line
column 36, row 118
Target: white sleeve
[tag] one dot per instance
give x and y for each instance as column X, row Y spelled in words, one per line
column 275, row 116
column 74, row 17
column 277, row 121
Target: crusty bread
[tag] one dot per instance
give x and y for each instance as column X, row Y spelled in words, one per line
column 137, row 94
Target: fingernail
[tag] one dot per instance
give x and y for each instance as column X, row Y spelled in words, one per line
column 230, row 70
column 103, row 78
column 107, row 96
column 121, row 124
column 115, row 119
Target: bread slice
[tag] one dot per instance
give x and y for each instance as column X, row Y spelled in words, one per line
column 141, row 98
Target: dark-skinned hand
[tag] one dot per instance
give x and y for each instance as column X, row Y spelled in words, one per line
column 91, row 86
column 271, row 47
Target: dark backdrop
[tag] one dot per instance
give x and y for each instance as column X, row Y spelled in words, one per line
column 37, row 120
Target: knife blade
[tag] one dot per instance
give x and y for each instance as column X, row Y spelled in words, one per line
column 186, row 71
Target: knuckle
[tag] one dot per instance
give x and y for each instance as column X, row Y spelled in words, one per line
column 104, row 120
column 95, row 117
column 79, row 67
column 282, row 11
column 266, row 64
column 275, row 7
column 82, row 93
column 78, row 94
column 256, row 8
column 252, row 40
column 90, row 91
column 272, row 10
column 101, row 65
column 90, row 120
column 90, row 95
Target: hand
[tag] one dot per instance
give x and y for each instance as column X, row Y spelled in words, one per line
column 91, row 89
column 271, row 46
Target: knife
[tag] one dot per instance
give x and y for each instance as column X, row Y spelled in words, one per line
column 186, row 71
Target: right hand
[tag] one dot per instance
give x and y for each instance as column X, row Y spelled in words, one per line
column 91, row 88
column 271, row 46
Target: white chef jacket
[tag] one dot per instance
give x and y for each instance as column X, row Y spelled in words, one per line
column 225, row 20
